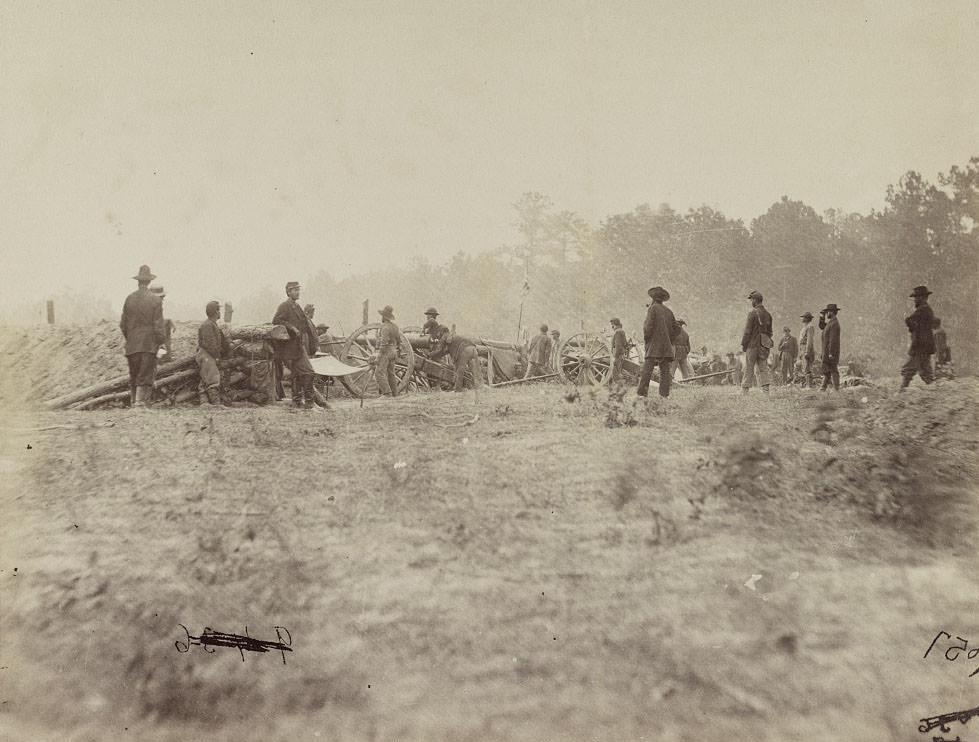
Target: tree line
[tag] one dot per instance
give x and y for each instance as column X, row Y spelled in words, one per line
column 574, row 275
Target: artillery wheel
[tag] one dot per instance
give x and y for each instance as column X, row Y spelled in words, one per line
column 585, row 358
column 361, row 350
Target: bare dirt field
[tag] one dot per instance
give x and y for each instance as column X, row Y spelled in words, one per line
column 517, row 564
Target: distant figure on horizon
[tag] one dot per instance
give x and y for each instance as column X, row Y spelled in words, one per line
column 831, row 348
column 756, row 342
column 921, row 323
column 143, row 329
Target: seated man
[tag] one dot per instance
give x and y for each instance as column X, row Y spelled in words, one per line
column 212, row 345
column 463, row 353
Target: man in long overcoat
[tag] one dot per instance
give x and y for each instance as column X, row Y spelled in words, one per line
column 921, row 324
column 659, row 331
column 756, row 342
column 831, row 348
column 294, row 353
column 142, row 327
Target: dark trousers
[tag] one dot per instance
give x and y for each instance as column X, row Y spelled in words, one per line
column 142, row 371
column 300, row 378
column 831, row 374
column 665, row 366
column 917, row 363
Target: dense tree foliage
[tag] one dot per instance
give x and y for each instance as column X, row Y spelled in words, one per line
column 573, row 275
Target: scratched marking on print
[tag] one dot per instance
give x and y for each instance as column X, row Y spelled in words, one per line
column 209, row 638
column 956, row 648
column 943, row 720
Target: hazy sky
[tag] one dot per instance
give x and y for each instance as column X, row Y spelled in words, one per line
column 233, row 145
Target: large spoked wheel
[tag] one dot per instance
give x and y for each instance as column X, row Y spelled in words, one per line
column 361, row 350
column 585, row 358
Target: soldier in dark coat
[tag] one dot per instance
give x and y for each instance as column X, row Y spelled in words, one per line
column 620, row 348
column 463, row 353
column 294, row 353
column 212, row 346
column 659, row 331
column 539, row 354
column 921, row 325
column 142, row 327
column 756, row 342
column 831, row 348
column 681, row 349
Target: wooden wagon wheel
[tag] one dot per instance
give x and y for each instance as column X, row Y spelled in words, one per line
column 361, row 350
column 585, row 358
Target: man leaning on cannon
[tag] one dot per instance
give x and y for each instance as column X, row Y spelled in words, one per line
column 294, row 352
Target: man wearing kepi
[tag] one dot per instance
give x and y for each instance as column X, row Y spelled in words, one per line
column 294, row 352
column 142, row 327
column 388, row 338
column 212, row 345
column 756, row 342
column 659, row 331
column 921, row 324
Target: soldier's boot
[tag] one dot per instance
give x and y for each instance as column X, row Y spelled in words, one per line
column 213, row 395
column 142, row 398
column 308, row 401
column 905, row 381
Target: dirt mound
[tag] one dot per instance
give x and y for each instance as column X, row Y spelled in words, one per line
column 57, row 359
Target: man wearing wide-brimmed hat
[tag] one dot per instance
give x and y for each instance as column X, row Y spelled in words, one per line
column 807, row 346
column 294, row 353
column 921, row 324
column 142, row 327
column 831, row 348
column 659, row 331
column 756, row 342
column 388, row 340
column 431, row 322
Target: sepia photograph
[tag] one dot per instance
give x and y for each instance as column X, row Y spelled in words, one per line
column 390, row 371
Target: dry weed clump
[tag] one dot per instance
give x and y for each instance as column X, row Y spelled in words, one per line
column 649, row 513
column 905, row 456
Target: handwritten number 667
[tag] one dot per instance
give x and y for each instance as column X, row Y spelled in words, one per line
column 958, row 650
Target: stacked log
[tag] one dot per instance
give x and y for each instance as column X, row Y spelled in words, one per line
column 247, row 375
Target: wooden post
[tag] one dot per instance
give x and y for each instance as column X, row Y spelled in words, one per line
column 367, row 318
column 228, row 309
column 50, row 311
column 489, row 367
